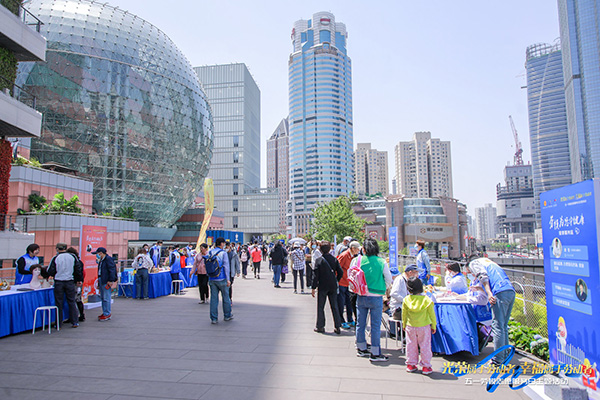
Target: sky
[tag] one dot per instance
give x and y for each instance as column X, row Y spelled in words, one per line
column 454, row 68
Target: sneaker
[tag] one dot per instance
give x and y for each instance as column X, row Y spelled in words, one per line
column 363, row 353
column 427, row 370
column 378, row 358
column 411, row 368
column 295, row 292
column 76, row 325
column 352, row 324
column 257, row 276
column 214, row 321
column 229, row 318
column 319, row 330
column 346, row 325
column 81, row 319
column 302, row 291
column 104, row 317
column 337, row 331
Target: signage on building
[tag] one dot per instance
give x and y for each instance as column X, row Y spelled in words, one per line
column 91, row 238
column 570, row 241
column 393, row 242
column 428, row 232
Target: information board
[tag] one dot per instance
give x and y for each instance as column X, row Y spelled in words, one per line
column 393, row 245
column 572, row 273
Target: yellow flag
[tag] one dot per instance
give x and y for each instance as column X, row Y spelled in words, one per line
column 209, row 204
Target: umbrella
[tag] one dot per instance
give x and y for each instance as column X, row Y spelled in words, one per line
column 297, row 240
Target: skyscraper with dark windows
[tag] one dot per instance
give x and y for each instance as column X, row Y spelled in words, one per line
column 320, row 119
column 548, row 130
column 579, row 22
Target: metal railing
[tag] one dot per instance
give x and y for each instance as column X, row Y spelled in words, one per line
column 530, row 303
column 16, row 7
column 17, row 92
column 13, row 223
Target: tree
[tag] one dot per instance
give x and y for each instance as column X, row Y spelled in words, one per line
column 336, row 218
column 125, row 212
column 61, row 204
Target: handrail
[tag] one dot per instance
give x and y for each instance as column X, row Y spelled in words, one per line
column 23, row 13
column 16, row 92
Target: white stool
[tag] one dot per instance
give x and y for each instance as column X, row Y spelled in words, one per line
column 399, row 332
column 179, row 283
column 46, row 310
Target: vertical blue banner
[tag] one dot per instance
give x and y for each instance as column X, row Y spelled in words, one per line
column 572, row 274
column 393, row 242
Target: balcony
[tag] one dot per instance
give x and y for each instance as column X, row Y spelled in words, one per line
column 18, row 117
column 20, row 32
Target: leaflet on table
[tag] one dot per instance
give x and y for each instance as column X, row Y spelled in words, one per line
column 570, row 242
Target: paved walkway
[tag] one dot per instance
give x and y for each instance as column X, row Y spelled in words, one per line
column 166, row 348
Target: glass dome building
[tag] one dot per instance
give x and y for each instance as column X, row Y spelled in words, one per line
column 123, row 106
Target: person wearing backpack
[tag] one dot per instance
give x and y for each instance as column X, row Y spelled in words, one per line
column 216, row 263
column 256, row 254
column 244, row 256
column 327, row 275
column 277, row 258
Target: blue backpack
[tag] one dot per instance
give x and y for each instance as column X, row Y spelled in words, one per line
column 211, row 263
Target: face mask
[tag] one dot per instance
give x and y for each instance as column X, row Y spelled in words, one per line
column 97, row 258
column 416, row 247
column 314, row 246
column 471, row 277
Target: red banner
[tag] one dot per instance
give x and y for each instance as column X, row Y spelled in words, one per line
column 91, row 238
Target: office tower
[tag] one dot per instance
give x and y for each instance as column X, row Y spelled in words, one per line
column 370, row 170
column 235, row 167
column 424, row 167
column 548, row 133
column 278, row 167
column 485, row 218
column 320, row 119
column 579, row 25
column 515, row 205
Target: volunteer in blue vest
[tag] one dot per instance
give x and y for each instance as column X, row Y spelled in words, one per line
column 501, row 295
column 220, row 284
column 174, row 264
column 423, row 264
column 155, row 253
column 24, row 263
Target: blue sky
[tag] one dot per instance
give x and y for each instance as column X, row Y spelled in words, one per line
column 454, row 68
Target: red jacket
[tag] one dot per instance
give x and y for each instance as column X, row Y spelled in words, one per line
column 345, row 259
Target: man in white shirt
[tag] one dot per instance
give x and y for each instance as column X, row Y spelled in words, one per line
column 66, row 272
column 400, row 290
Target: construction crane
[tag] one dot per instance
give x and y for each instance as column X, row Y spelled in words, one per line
column 518, row 147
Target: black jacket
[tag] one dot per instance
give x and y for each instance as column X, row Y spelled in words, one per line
column 327, row 273
column 107, row 270
column 278, row 255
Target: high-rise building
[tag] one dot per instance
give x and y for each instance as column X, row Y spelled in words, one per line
column 234, row 97
column 370, row 170
column 320, row 118
column 485, row 218
column 278, row 167
column 424, row 167
column 548, row 134
column 579, row 22
column 515, row 204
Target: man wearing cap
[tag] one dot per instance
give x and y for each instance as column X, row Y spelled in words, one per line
column 400, row 290
column 345, row 258
column 66, row 272
column 340, row 248
column 107, row 276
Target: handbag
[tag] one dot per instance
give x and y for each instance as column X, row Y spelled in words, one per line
column 284, row 269
column 356, row 280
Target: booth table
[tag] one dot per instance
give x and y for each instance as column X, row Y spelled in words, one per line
column 17, row 309
column 159, row 283
column 456, row 328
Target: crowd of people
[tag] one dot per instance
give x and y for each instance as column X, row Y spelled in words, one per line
column 331, row 274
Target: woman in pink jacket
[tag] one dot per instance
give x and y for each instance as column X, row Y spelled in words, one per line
column 200, row 270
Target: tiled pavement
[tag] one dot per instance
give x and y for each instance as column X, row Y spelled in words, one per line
column 166, row 348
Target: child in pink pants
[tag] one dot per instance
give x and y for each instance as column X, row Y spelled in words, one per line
column 418, row 319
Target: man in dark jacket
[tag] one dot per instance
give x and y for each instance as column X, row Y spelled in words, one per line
column 326, row 276
column 66, row 270
column 107, row 276
column 277, row 256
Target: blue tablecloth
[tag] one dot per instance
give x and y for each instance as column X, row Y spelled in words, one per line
column 193, row 281
column 17, row 309
column 456, row 329
column 159, row 284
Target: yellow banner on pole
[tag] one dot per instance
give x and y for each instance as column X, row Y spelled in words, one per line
column 209, row 205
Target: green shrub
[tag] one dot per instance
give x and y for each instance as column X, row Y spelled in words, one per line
column 125, row 212
column 36, row 202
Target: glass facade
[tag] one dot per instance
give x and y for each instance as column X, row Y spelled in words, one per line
column 547, row 120
column 423, row 211
column 320, row 119
column 579, row 26
column 235, row 166
column 122, row 106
